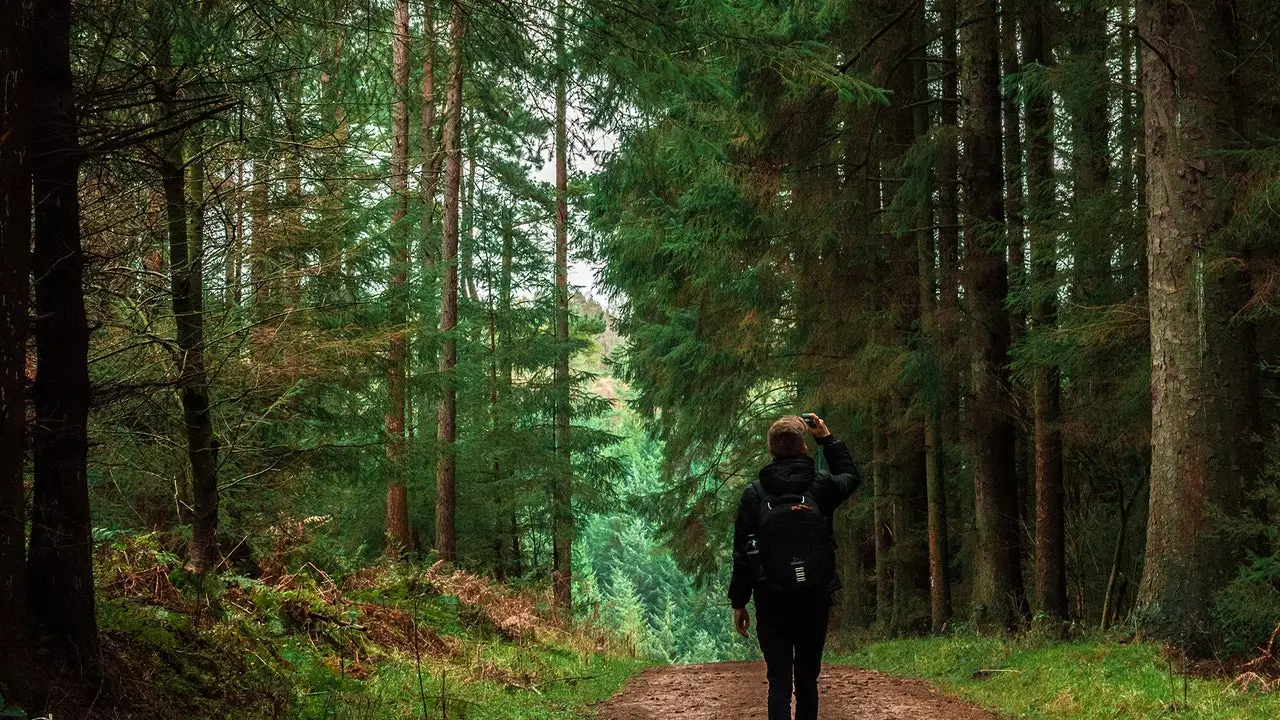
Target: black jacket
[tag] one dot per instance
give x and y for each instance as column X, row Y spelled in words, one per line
column 781, row 477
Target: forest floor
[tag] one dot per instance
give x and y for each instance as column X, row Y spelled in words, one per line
column 738, row 690
column 391, row 642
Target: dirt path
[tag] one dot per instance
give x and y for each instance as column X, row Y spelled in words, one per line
column 736, row 691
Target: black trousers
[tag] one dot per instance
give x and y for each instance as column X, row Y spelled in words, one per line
column 792, row 633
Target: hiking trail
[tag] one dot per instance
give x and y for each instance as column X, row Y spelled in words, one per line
column 733, row 691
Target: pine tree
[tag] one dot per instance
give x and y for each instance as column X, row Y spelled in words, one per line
column 398, row 535
column 1187, row 86
column 59, row 561
column 997, row 592
column 15, row 244
column 1050, row 543
column 563, row 492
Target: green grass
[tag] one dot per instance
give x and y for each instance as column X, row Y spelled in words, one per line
column 554, row 684
column 302, row 651
column 1086, row 679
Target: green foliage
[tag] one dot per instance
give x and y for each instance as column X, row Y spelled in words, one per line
column 1084, row 680
column 1247, row 611
column 303, row 648
column 633, row 584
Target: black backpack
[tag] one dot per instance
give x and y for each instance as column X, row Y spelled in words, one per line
column 795, row 548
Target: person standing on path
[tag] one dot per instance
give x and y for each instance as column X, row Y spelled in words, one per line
column 784, row 555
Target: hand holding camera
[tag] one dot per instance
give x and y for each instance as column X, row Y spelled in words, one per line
column 817, row 427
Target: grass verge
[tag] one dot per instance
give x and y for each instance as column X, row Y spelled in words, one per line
column 1090, row 679
column 385, row 643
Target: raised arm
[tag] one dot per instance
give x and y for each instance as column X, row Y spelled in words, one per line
column 845, row 477
column 844, row 473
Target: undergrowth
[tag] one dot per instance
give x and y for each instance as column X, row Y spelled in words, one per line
column 393, row 641
column 1088, row 679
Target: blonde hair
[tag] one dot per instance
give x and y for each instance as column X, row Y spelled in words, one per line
column 786, row 437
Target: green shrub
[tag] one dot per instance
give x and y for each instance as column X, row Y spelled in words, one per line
column 1247, row 611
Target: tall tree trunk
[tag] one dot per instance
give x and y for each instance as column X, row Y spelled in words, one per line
column 261, row 251
column 934, row 444
column 60, row 559
column 1186, row 84
column 1050, row 539
column 563, row 526
column 398, row 536
column 907, row 462
column 187, row 288
column 881, row 517
column 1109, row 599
column 333, row 200
column 468, row 248
column 428, row 240
column 1130, row 130
column 949, row 226
column 498, row 531
column 430, row 180
column 15, row 255
column 447, row 417
column 1011, row 132
column 232, row 262
column 506, row 367
column 294, row 232
column 998, row 596
column 1015, row 232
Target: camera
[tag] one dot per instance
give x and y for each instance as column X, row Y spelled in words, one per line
column 809, row 419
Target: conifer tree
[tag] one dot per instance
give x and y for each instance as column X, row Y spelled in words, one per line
column 563, row 524
column 15, row 288
column 59, row 560
column 997, row 575
column 398, row 536
column 1050, row 543
column 446, row 468
column 1187, row 87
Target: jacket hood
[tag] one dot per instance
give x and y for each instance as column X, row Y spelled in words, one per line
column 788, row 476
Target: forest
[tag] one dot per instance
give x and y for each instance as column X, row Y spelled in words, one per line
column 324, row 322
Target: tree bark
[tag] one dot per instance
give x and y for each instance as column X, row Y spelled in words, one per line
column 428, row 241
column 934, row 444
column 232, row 262
column 1011, row 132
column 261, row 249
column 506, row 368
column 563, row 525
column 907, row 465
column 60, row 558
column 998, row 596
column 187, row 294
column 398, row 536
column 294, row 231
column 1186, row 84
column 881, row 518
column 1050, row 538
column 15, row 257
column 466, row 250
column 949, row 226
column 446, row 433
column 1109, row 599
column 430, row 180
